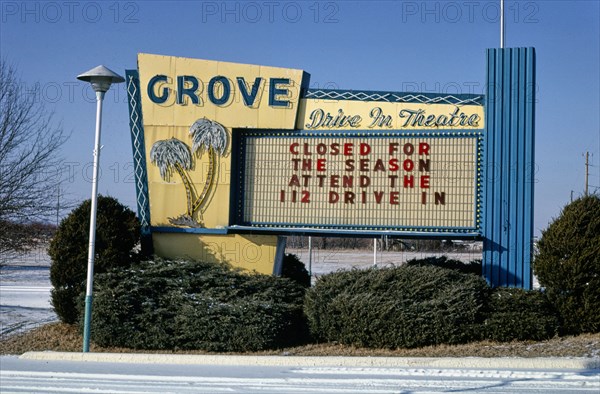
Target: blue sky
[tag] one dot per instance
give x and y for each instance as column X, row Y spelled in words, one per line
column 427, row 46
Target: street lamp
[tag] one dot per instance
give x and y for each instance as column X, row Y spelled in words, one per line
column 101, row 78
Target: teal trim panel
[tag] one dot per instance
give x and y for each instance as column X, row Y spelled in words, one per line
column 393, row 97
column 509, row 181
column 136, row 126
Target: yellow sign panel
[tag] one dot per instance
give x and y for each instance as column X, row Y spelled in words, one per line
column 177, row 91
column 190, row 107
column 354, row 181
column 251, row 252
column 323, row 114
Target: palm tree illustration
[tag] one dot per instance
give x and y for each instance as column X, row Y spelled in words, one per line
column 171, row 156
column 210, row 136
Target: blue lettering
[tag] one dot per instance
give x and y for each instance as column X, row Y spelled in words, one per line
column 219, row 90
column 226, row 90
column 274, row 91
column 249, row 98
column 183, row 91
column 165, row 93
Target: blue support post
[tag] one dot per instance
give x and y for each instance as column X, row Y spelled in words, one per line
column 510, row 104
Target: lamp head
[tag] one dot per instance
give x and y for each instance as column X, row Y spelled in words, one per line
column 101, row 78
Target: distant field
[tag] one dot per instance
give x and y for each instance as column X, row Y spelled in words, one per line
column 25, row 293
column 325, row 261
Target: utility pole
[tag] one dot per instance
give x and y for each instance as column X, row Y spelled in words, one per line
column 587, row 172
column 58, row 205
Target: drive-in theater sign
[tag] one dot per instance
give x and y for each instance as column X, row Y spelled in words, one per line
column 231, row 157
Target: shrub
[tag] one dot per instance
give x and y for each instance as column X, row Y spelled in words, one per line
column 517, row 314
column 167, row 304
column 294, row 269
column 474, row 267
column 568, row 265
column 117, row 232
column 406, row 306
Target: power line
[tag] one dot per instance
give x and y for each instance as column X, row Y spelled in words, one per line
column 587, row 171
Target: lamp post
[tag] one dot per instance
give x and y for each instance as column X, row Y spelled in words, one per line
column 101, row 78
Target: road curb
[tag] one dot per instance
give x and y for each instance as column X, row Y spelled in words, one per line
column 323, row 361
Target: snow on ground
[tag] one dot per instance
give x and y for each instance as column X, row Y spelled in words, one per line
column 18, row 375
column 25, row 293
column 25, row 282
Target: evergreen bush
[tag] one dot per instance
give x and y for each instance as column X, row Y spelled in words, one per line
column 517, row 314
column 167, row 304
column 473, row 267
column 294, row 269
column 117, row 233
column 400, row 307
column 568, row 265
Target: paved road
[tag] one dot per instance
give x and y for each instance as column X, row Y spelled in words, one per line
column 18, row 375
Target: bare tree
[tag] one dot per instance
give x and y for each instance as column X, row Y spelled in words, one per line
column 30, row 163
column 17, row 238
